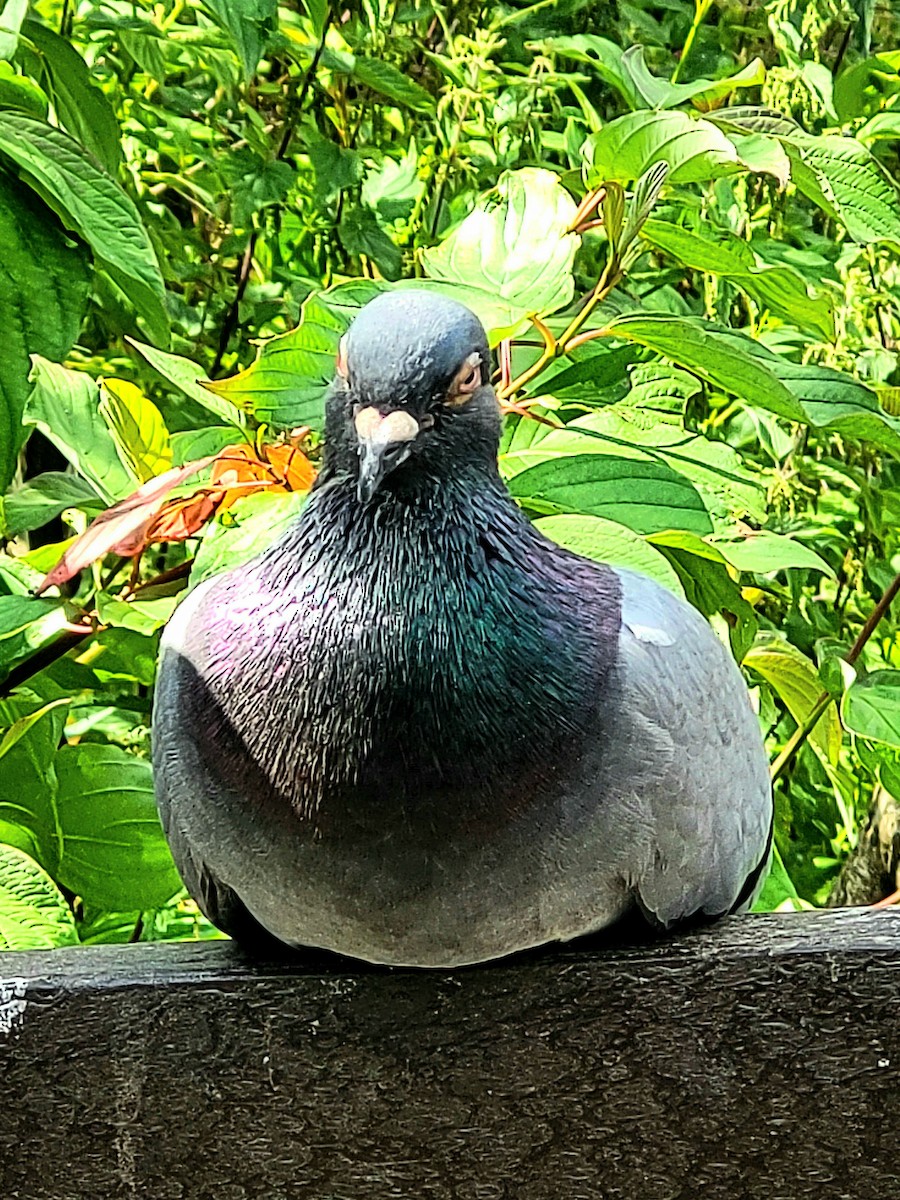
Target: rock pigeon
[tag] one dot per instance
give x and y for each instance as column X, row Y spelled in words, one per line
column 417, row 732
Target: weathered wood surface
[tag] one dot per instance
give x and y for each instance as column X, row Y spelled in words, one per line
column 759, row 1058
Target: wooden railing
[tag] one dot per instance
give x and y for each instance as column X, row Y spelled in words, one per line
column 757, row 1058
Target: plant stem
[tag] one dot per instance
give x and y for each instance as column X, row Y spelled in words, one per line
column 802, row 732
column 556, row 347
column 701, row 9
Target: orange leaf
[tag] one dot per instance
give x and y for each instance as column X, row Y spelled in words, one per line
column 122, row 529
column 274, row 469
column 184, row 517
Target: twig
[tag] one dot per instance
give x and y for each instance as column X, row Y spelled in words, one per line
column 44, row 658
column 231, row 317
column 802, row 732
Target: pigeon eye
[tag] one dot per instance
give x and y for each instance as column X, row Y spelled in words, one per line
column 467, row 381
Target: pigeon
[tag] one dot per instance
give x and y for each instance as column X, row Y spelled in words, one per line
column 415, row 731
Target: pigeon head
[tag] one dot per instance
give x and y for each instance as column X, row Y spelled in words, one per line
column 412, row 397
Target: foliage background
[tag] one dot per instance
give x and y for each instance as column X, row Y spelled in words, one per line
column 680, row 224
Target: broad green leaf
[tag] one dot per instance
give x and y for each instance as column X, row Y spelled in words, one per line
column 137, row 427
column 250, row 24
column 754, row 118
column 841, row 176
column 882, row 125
column 603, row 55
column 386, row 79
column 191, row 444
column 114, row 854
column 518, row 246
column 18, row 91
column 43, row 298
column 44, row 497
column 778, row 893
column 795, row 679
column 81, row 107
column 33, row 913
column 720, row 360
column 643, row 496
column 245, row 530
column 11, row 18
column 695, row 150
column 90, row 202
column 608, row 542
column 26, row 624
column 780, row 289
column 708, row 585
column 763, row 155
column 28, row 782
column 764, row 553
column 870, row 707
column 285, row 386
column 727, row 488
column 64, row 405
column 659, row 93
column 143, row 616
column 190, row 380
column 20, row 728
column 829, row 399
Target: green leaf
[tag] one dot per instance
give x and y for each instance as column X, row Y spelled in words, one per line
column 190, row 380
column 250, row 24
column 285, row 386
column 778, row 893
column 114, row 854
column 753, row 119
column 90, row 202
column 44, row 497
column 21, row 727
column 727, row 488
column 11, row 19
column 33, row 912
column 603, row 55
column 18, row 91
column 659, row 93
column 794, row 678
column 28, row 782
column 780, row 289
column 81, row 107
column 608, row 542
column 26, row 624
column 841, row 176
column 696, row 150
column 515, row 243
column 384, row 78
column 245, row 530
column 64, row 405
column 42, row 302
column 361, row 234
column 143, row 616
column 720, row 359
column 870, row 707
column 643, row 496
column 137, row 427
column 707, row 584
column 765, row 553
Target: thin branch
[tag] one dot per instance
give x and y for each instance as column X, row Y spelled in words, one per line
column 802, row 732
column 229, row 325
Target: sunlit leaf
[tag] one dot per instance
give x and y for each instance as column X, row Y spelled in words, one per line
column 515, row 243
column 33, row 912
column 138, row 428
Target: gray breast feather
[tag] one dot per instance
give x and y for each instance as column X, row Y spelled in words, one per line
column 695, row 761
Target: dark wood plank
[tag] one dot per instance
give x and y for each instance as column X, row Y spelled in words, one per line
column 759, row 1058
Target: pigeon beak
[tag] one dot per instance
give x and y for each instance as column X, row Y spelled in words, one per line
column 384, row 443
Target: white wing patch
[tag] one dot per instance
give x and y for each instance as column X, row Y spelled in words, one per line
column 650, row 634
